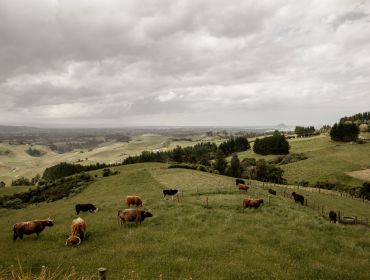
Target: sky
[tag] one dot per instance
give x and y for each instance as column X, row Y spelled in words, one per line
column 93, row 63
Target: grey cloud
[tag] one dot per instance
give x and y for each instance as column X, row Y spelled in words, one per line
column 136, row 61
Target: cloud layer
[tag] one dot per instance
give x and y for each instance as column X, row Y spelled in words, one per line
column 177, row 62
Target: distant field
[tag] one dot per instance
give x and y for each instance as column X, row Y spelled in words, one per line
column 282, row 240
column 19, row 163
column 327, row 160
column 361, row 174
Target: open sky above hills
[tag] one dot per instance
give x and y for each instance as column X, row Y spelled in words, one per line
column 177, row 62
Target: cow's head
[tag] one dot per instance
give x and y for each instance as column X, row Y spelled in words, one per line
column 147, row 214
column 73, row 240
column 49, row 222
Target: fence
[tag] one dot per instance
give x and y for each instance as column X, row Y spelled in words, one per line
column 342, row 216
column 46, row 274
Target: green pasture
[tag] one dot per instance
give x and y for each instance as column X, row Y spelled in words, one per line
column 327, row 160
column 280, row 240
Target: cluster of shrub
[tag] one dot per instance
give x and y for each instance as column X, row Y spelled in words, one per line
column 107, row 172
column 302, row 131
column 262, row 171
column 202, row 153
column 47, row 191
column 65, row 169
column 275, row 145
column 290, row 158
column 22, row 181
column 35, row 152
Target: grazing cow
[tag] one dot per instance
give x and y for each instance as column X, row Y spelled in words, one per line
column 298, row 197
column 333, row 217
column 132, row 215
column 85, row 207
column 78, row 229
column 239, row 181
column 133, row 200
column 252, row 203
column 243, row 187
column 170, row 192
column 271, row 191
column 30, row 227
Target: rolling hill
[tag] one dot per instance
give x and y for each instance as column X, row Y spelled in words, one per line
column 280, row 240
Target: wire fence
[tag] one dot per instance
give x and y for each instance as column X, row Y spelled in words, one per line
column 344, row 217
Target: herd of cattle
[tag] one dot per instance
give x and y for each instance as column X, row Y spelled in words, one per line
column 78, row 225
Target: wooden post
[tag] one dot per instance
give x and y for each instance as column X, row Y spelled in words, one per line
column 284, row 192
column 102, row 273
column 339, row 216
column 322, row 210
column 160, row 277
column 268, row 199
column 12, row 272
column 43, row 273
column 207, row 201
column 178, row 198
column 133, row 275
column 197, row 189
column 355, row 219
column 306, row 202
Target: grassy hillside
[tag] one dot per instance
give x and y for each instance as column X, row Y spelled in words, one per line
column 327, row 160
column 282, row 240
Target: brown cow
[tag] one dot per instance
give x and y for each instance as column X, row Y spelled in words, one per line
column 30, row 227
column 78, row 229
column 133, row 200
column 132, row 215
column 252, row 203
column 243, row 187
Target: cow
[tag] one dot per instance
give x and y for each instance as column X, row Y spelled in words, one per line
column 271, row 191
column 133, row 200
column 78, row 230
column 132, row 215
column 252, row 203
column 239, row 181
column 30, row 227
column 85, row 207
column 333, row 217
column 170, row 192
column 243, row 187
column 298, row 197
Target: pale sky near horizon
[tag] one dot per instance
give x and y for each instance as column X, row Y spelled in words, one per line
column 175, row 62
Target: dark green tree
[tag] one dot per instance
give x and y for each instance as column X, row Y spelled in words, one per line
column 220, row 163
column 235, row 168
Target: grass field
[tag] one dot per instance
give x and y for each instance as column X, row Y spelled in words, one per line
column 282, row 240
column 327, row 160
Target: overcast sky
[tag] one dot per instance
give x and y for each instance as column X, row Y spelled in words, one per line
column 168, row 62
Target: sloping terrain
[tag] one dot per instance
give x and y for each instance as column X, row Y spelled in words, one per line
column 280, row 240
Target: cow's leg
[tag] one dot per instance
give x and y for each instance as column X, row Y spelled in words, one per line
column 21, row 235
column 15, row 236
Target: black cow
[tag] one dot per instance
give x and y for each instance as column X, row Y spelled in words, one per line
column 239, row 181
column 333, row 217
column 170, row 192
column 298, row 197
column 271, row 191
column 85, row 207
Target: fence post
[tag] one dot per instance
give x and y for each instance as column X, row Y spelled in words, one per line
column 43, row 273
column 133, row 275
column 207, row 201
column 178, row 198
column 102, row 273
column 306, row 202
column 339, row 217
column 284, row 193
column 355, row 219
column 268, row 199
column 12, row 272
column 322, row 210
column 160, row 277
